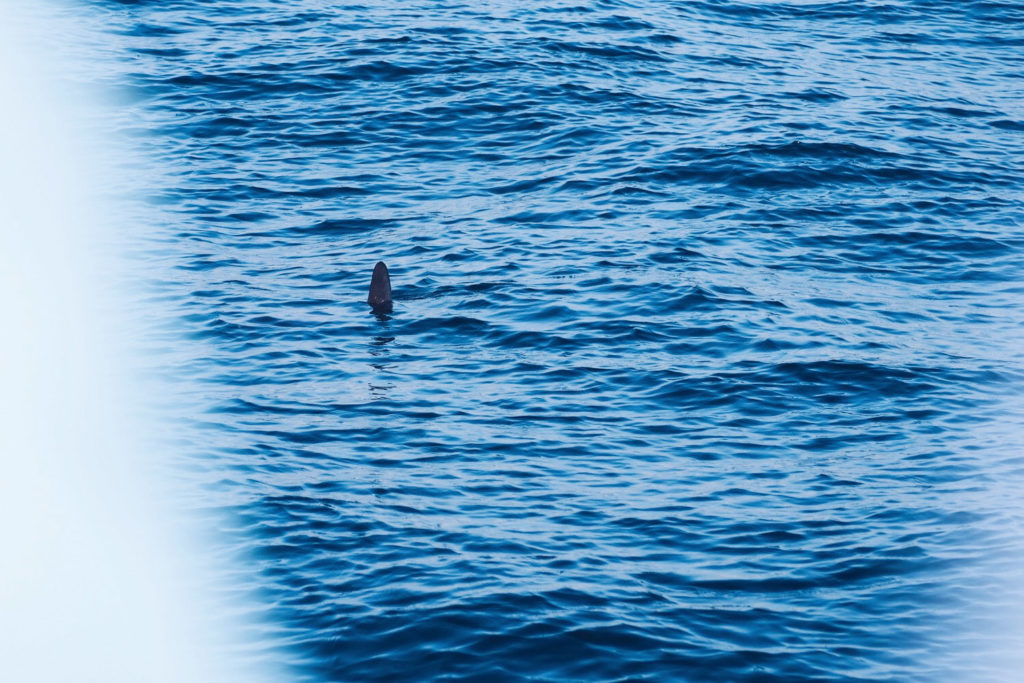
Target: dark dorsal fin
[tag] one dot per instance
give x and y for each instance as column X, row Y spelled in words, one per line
column 380, row 289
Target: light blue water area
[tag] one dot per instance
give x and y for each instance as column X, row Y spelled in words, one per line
column 705, row 359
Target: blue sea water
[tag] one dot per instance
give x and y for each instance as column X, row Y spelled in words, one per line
column 706, row 357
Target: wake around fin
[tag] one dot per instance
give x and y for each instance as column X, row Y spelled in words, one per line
column 380, row 289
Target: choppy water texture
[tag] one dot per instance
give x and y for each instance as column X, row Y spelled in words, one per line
column 705, row 356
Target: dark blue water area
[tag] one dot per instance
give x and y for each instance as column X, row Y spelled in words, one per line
column 706, row 356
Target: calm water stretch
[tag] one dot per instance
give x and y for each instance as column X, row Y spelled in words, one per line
column 705, row 361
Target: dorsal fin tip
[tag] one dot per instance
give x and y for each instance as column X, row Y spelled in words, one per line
column 380, row 288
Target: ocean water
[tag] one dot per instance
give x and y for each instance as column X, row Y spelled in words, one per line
column 706, row 355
